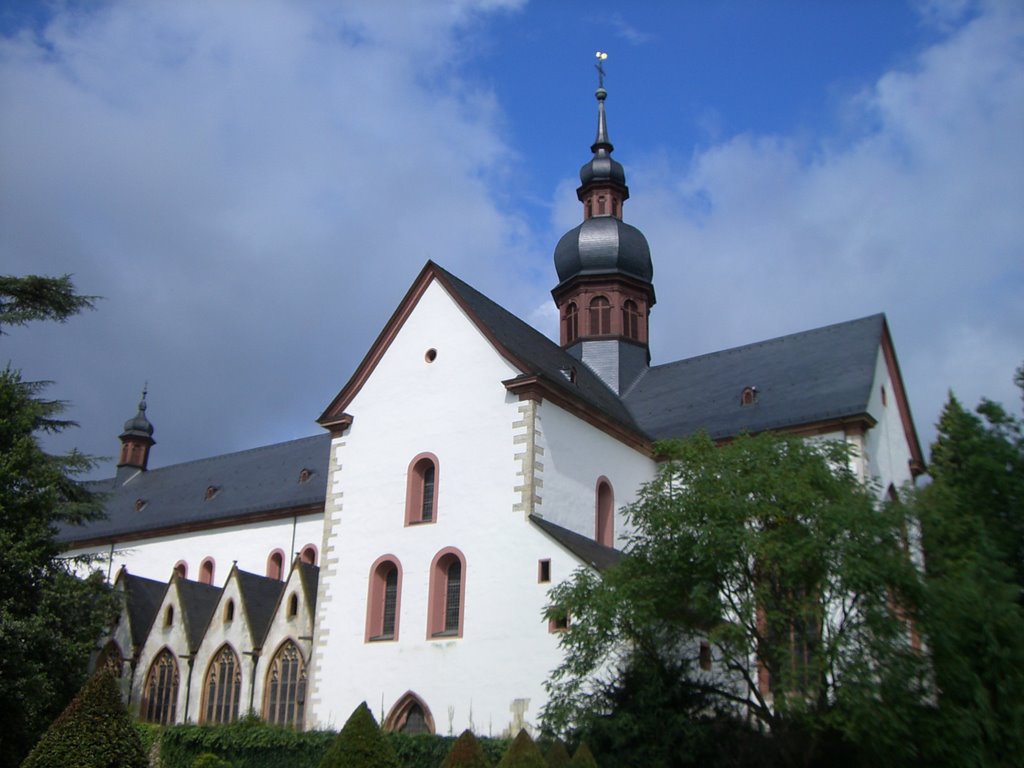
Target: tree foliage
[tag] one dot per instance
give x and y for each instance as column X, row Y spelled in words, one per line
column 49, row 619
column 972, row 516
column 24, row 299
column 771, row 551
column 522, row 753
column 93, row 732
column 466, row 752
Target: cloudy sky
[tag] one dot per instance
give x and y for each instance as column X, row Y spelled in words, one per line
column 252, row 186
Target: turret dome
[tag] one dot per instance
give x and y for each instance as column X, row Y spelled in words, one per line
column 603, row 245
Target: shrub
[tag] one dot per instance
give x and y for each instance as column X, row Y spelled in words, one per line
column 523, row 753
column 360, row 744
column 466, row 752
column 210, row 760
column 583, row 757
column 93, row 732
column 557, row 756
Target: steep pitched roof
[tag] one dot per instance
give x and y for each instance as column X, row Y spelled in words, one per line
column 260, row 596
column 248, row 484
column 142, row 600
column 818, row 375
column 309, row 575
column 198, row 602
column 587, row 550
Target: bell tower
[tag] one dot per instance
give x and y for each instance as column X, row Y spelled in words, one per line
column 136, row 440
column 605, row 290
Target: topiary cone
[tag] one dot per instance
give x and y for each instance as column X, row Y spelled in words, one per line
column 360, row 744
column 557, row 755
column 583, row 758
column 522, row 753
column 93, row 732
column 466, row 752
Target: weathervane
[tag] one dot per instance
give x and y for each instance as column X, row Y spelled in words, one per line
column 601, row 56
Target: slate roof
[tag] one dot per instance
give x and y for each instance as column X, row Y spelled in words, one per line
column 248, row 483
column 586, row 549
column 539, row 354
column 309, row 575
column 260, row 596
column 142, row 598
column 198, row 602
column 821, row 374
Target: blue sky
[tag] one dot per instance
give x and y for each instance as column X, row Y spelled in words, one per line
column 252, row 186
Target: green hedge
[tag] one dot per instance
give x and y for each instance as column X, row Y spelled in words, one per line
column 251, row 743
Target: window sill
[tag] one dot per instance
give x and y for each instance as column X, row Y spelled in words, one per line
column 381, row 639
column 446, row 634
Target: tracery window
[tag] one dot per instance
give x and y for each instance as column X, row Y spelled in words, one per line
column 600, row 316
column 285, row 698
column 223, row 688
column 421, row 493
column 160, row 695
column 111, row 658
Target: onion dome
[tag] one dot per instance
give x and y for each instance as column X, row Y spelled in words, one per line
column 602, row 167
column 139, row 425
column 603, row 245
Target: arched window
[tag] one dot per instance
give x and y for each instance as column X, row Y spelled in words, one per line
column 572, row 322
column 421, row 492
column 600, row 316
column 223, row 688
column 383, row 599
column 285, row 698
column 410, row 714
column 160, row 695
column 229, row 611
column 206, row 571
column 446, row 601
column 308, row 554
column 749, row 396
column 181, row 569
column 604, row 520
column 111, row 658
column 293, row 605
column 169, row 616
column 275, row 565
column 630, row 320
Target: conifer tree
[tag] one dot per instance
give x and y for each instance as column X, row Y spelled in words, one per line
column 557, row 756
column 583, row 758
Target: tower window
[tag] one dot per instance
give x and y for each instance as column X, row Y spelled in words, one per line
column 572, row 322
column 631, row 320
column 600, row 316
column 600, row 205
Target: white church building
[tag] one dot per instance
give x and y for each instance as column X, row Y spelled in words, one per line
column 404, row 555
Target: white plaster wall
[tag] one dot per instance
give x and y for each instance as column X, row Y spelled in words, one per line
column 887, row 445
column 457, row 409
column 576, row 454
column 250, row 544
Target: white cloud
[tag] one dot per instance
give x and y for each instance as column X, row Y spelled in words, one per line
column 917, row 215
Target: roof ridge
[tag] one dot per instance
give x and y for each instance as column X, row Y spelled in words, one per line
column 221, row 456
column 762, row 343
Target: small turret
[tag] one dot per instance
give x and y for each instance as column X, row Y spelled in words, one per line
column 136, row 440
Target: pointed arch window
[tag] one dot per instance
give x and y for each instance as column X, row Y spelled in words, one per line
column 223, row 688
column 383, row 599
column 446, row 600
column 631, row 320
column 410, row 714
column 572, row 322
column 285, row 697
column 111, row 659
column 422, row 490
column 600, row 316
column 160, row 695
column 604, row 523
